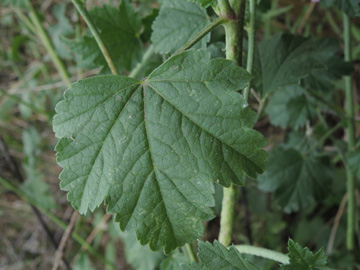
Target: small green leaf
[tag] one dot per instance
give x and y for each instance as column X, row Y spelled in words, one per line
column 120, row 30
column 304, row 259
column 285, row 59
column 170, row 34
column 353, row 159
column 152, row 147
column 216, row 256
column 61, row 29
column 322, row 80
column 138, row 256
column 297, row 181
column 289, row 107
column 174, row 261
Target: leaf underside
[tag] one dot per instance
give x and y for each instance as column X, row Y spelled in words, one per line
column 152, row 148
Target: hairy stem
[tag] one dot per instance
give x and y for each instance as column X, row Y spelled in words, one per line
column 201, row 34
column 350, row 233
column 264, row 253
column 234, row 39
column 86, row 16
column 227, row 215
column 44, row 37
column 251, row 45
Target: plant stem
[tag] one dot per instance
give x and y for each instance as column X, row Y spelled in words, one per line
column 190, row 252
column 264, row 253
column 227, row 215
column 234, row 39
column 52, row 217
column 147, row 56
column 86, row 16
column 350, row 236
column 201, row 34
column 41, row 33
column 251, row 45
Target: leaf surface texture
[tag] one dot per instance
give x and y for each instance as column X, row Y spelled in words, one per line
column 152, row 148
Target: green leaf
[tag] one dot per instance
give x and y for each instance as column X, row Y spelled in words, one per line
column 205, row 3
column 336, row 67
column 303, row 258
column 285, row 59
column 216, row 256
column 353, row 159
column 62, row 28
column 138, row 256
column 297, row 181
column 152, row 148
column 120, row 30
column 350, row 7
column 289, row 107
column 178, row 22
column 174, row 261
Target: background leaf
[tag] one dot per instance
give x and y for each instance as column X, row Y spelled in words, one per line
column 285, row 59
column 120, row 30
column 297, row 181
column 169, row 34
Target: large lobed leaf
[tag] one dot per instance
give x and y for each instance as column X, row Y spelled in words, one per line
column 216, row 256
column 169, row 34
column 296, row 180
column 285, row 59
column 152, row 147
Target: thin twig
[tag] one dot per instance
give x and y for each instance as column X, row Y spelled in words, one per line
column 98, row 227
column 60, row 251
column 306, row 17
column 338, row 216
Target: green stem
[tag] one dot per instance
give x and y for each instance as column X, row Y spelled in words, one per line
column 234, row 29
column 251, row 45
column 264, row 253
column 227, row 215
column 44, row 37
column 25, row 19
column 201, row 34
column 147, row 56
column 53, row 218
column 350, row 233
column 86, row 16
column 190, row 253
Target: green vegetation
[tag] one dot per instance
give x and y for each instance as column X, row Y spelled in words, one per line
column 202, row 134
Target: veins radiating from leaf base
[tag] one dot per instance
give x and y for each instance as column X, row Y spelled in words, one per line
column 153, row 149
